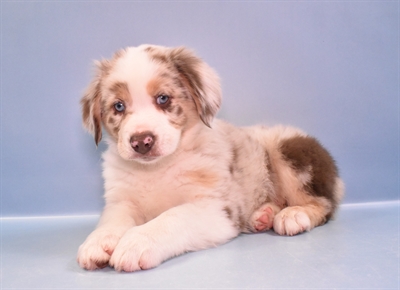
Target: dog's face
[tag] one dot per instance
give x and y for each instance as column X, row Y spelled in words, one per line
column 147, row 97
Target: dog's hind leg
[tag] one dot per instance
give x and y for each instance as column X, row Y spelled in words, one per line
column 306, row 181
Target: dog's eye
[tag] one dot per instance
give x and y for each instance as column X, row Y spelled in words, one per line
column 119, row 107
column 162, row 99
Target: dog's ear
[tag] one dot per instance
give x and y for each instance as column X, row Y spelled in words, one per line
column 91, row 105
column 202, row 81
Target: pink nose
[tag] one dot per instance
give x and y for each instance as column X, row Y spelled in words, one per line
column 143, row 142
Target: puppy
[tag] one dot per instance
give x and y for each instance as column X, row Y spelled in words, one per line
column 178, row 180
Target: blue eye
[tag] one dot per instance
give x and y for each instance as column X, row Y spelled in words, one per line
column 162, row 99
column 119, row 107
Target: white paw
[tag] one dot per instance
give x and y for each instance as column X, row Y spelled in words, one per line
column 136, row 251
column 291, row 221
column 95, row 252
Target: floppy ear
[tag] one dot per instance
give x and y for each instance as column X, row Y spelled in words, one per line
column 91, row 107
column 202, row 81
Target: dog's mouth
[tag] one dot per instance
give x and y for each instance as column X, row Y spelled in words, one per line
column 148, row 157
column 129, row 154
column 145, row 158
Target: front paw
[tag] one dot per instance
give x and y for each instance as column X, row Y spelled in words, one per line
column 95, row 252
column 136, row 251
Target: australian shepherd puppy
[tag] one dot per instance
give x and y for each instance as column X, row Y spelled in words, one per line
column 178, row 180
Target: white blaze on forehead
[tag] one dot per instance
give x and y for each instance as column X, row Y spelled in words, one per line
column 136, row 69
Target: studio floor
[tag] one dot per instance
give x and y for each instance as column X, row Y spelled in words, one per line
column 358, row 250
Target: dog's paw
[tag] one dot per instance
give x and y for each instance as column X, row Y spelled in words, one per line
column 95, row 252
column 291, row 221
column 263, row 218
column 135, row 251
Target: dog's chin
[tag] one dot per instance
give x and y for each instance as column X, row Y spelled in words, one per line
column 145, row 159
column 148, row 158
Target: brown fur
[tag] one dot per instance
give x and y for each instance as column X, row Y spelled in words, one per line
column 91, row 110
column 164, row 84
column 111, row 118
column 228, row 212
column 188, row 66
column 203, row 178
column 121, row 92
column 241, row 222
column 305, row 153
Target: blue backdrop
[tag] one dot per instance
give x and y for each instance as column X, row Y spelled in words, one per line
column 330, row 68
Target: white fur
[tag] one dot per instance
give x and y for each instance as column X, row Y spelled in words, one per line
column 291, row 221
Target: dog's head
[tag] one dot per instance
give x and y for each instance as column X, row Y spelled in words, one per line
column 146, row 97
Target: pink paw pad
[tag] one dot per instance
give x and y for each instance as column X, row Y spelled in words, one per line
column 263, row 219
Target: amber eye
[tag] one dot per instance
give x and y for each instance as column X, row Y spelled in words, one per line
column 162, row 99
column 119, row 107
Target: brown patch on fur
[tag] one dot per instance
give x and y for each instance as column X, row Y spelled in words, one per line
column 189, row 67
column 203, row 112
column 96, row 112
column 149, row 49
column 189, row 114
column 234, row 160
column 158, row 85
column 307, row 154
column 182, row 59
column 118, row 54
column 268, row 164
column 111, row 118
column 157, row 54
column 168, row 84
column 203, row 177
column 112, row 123
column 86, row 104
column 177, row 123
column 176, row 117
column 179, row 111
column 241, row 220
column 121, row 92
column 165, row 84
column 228, row 212
column 91, row 109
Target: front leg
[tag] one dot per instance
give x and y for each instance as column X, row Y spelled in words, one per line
column 115, row 220
column 188, row 227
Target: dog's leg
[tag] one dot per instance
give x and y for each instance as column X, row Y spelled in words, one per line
column 263, row 218
column 188, row 227
column 95, row 252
